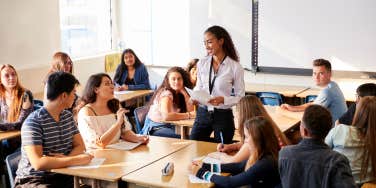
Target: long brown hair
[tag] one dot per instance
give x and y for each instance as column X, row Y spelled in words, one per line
column 18, row 91
column 228, row 46
column 365, row 121
column 264, row 140
column 250, row 106
column 178, row 98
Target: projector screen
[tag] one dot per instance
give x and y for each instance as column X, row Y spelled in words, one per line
column 292, row 33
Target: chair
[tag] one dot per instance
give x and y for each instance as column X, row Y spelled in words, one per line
column 12, row 165
column 37, row 104
column 310, row 98
column 270, row 98
column 140, row 115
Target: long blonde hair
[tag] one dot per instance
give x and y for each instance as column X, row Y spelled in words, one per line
column 17, row 93
column 365, row 121
column 250, row 106
column 59, row 60
column 264, row 139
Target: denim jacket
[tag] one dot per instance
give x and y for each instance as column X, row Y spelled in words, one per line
column 311, row 163
column 141, row 77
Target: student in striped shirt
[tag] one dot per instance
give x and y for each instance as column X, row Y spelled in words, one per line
column 50, row 138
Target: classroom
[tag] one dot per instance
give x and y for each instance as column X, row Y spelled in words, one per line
column 168, row 93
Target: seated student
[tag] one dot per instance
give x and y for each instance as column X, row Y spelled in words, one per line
column 367, row 89
column 50, row 138
column 357, row 142
column 131, row 74
column 100, row 121
column 192, row 70
column 62, row 62
column 330, row 96
column 311, row 163
column 16, row 102
column 261, row 167
column 170, row 102
column 248, row 107
column 15, row 105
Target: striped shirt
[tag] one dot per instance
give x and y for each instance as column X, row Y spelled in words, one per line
column 41, row 129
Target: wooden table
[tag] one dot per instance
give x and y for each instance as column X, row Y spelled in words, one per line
column 139, row 95
column 182, row 127
column 285, row 120
column 9, row 134
column 119, row 162
column 150, row 176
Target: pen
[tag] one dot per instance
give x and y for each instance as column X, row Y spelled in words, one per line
column 220, row 134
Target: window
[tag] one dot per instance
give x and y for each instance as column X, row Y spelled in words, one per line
column 85, row 27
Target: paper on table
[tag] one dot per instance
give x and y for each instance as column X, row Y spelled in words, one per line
column 201, row 96
column 94, row 163
column 124, row 145
column 216, row 156
column 122, row 92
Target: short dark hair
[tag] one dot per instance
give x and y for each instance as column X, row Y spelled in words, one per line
column 317, row 120
column 367, row 89
column 322, row 62
column 60, row 82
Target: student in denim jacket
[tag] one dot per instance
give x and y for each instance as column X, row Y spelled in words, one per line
column 311, row 163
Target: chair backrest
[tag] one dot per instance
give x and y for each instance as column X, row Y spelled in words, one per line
column 12, row 165
column 270, row 98
column 140, row 115
column 310, row 98
column 37, row 104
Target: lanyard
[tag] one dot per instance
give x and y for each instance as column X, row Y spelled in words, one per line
column 211, row 83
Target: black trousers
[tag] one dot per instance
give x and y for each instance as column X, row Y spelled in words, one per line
column 219, row 120
column 47, row 181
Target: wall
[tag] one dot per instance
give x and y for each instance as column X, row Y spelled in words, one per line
column 29, row 32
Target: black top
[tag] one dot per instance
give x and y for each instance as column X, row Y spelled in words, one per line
column 129, row 81
column 263, row 174
column 348, row 116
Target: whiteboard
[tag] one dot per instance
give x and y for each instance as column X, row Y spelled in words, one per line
column 292, row 33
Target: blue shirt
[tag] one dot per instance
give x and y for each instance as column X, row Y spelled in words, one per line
column 41, row 129
column 141, row 77
column 331, row 97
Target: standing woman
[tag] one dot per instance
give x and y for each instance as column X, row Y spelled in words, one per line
column 131, row 74
column 100, row 121
column 15, row 105
column 218, row 74
column 170, row 102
